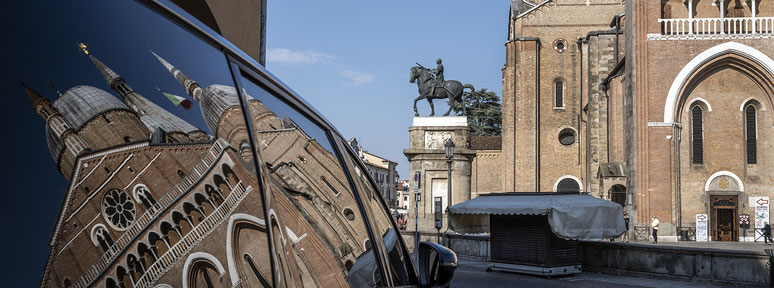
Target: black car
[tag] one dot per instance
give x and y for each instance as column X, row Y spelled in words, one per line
column 184, row 163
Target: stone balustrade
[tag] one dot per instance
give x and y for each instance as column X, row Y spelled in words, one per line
column 717, row 26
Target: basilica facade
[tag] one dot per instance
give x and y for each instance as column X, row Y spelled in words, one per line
column 155, row 202
column 660, row 106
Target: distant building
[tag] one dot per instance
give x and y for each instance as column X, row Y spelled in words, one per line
column 382, row 170
column 402, row 195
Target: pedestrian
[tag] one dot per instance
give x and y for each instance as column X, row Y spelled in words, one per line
column 654, row 224
column 625, row 237
column 767, row 233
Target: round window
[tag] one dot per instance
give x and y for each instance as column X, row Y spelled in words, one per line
column 567, row 136
column 118, row 209
column 560, row 45
column 349, row 214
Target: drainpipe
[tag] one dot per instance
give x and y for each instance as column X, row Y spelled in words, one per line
column 580, row 103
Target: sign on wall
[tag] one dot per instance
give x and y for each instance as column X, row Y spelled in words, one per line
column 761, row 205
column 702, row 222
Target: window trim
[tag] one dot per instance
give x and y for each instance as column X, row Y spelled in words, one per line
column 747, row 137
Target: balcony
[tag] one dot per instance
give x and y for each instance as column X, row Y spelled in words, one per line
column 717, row 26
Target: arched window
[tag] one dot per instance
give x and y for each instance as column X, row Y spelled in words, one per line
column 568, row 185
column 142, row 194
column 559, row 94
column 751, row 134
column 697, row 136
column 101, row 237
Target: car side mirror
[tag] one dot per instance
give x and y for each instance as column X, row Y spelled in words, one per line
column 436, row 265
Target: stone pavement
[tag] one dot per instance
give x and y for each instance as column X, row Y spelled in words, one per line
column 472, row 273
column 738, row 246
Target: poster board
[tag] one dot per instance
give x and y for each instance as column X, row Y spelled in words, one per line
column 702, row 223
column 761, row 206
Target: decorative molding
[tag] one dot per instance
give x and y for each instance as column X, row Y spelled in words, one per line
column 706, row 103
column 196, row 256
column 580, row 183
column 703, row 58
column 723, row 173
column 230, row 261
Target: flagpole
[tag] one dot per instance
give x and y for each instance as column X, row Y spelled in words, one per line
column 181, row 110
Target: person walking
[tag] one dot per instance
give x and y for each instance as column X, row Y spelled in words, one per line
column 767, row 233
column 625, row 237
column 654, row 224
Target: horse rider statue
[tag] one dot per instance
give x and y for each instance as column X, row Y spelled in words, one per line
column 432, row 85
column 438, row 72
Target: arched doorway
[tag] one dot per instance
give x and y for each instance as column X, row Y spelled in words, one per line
column 723, row 189
column 617, row 194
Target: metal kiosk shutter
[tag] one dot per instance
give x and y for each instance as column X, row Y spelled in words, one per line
column 528, row 240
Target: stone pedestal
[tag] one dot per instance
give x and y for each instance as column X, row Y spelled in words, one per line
column 426, row 154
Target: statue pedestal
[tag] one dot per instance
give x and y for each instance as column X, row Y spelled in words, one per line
column 426, row 155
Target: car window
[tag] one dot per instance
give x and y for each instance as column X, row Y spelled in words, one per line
column 401, row 269
column 320, row 236
column 146, row 135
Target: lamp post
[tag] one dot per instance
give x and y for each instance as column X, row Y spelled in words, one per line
column 449, row 146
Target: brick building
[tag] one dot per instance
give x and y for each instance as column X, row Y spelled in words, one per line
column 660, row 106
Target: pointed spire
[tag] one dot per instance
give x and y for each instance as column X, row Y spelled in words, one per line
column 190, row 86
column 106, row 72
column 32, row 94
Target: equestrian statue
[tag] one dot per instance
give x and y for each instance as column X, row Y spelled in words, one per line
column 431, row 85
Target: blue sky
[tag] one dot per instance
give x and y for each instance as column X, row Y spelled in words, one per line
column 351, row 59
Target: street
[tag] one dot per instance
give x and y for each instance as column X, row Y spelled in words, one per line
column 472, row 273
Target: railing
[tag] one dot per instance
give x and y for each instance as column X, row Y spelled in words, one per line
column 96, row 269
column 686, row 233
column 716, row 26
column 642, row 232
column 182, row 247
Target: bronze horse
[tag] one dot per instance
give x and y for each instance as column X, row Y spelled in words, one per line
column 451, row 90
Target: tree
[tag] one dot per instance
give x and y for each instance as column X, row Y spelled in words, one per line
column 484, row 112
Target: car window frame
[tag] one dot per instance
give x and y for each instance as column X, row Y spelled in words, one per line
column 241, row 69
column 240, row 63
column 413, row 278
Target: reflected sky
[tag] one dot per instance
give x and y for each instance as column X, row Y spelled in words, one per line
column 43, row 47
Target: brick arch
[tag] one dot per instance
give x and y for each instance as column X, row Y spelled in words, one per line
column 730, row 55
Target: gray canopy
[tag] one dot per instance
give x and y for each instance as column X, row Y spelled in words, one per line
column 571, row 216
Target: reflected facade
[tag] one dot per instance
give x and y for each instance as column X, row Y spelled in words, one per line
column 214, row 196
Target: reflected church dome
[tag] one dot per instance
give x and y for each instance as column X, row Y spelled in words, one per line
column 82, row 103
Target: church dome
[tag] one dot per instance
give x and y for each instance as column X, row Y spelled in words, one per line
column 82, row 103
column 216, row 99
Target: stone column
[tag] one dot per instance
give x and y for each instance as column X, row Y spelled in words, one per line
column 426, row 155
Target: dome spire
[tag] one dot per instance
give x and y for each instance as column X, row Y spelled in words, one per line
column 190, row 86
column 33, row 95
column 111, row 77
column 152, row 115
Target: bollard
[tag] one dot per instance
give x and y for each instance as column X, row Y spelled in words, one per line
column 770, row 252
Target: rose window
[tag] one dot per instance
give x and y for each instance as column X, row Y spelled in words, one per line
column 118, row 209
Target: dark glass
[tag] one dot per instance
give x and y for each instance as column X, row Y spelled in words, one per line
column 697, row 136
column 567, row 137
column 107, row 91
column 568, row 185
column 319, row 231
column 752, row 135
column 400, row 266
column 559, row 93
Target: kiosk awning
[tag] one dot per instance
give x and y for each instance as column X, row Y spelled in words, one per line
column 571, row 216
